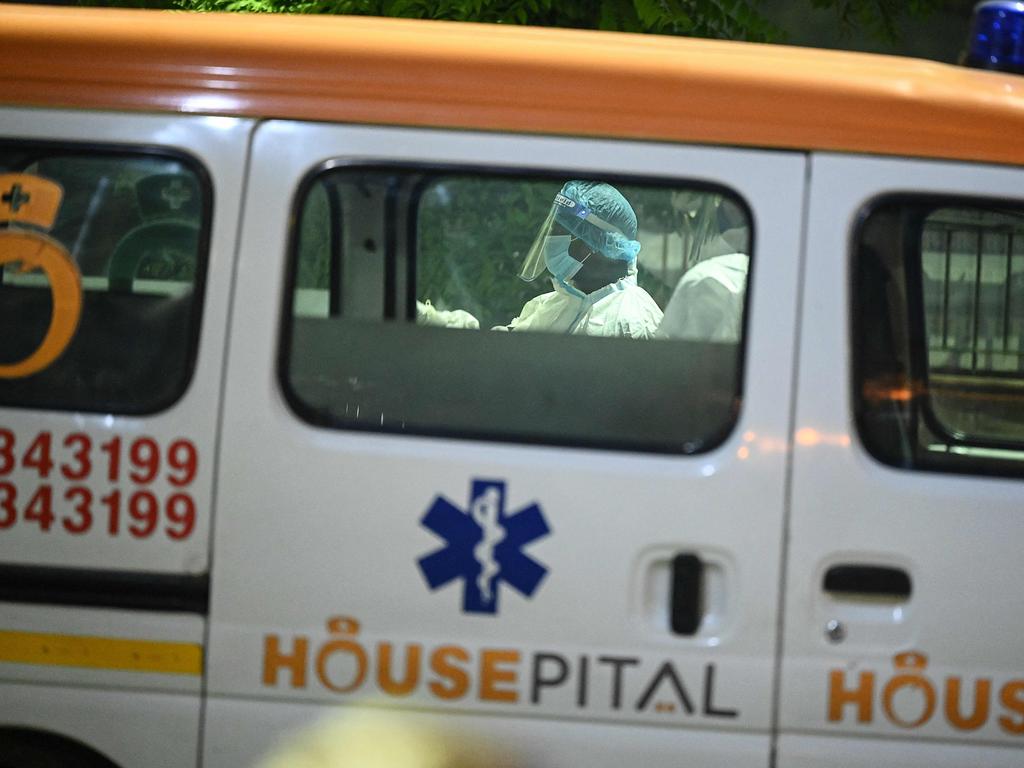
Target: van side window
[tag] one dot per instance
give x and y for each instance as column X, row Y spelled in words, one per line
column 565, row 311
column 939, row 335
column 101, row 270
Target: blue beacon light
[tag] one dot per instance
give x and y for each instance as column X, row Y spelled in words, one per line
column 997, row 37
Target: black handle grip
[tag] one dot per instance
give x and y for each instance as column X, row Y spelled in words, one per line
column 687, row 599
column 875, row 580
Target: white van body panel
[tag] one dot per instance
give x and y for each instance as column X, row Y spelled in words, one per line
column 314, row 524
column 957, row 536
column 157, row 714
column 813, row 751
column 544, row 743
column 130, row 728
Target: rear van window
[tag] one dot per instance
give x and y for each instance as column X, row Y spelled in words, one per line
column 102, row 259
column 939, row 329
column 558, row 310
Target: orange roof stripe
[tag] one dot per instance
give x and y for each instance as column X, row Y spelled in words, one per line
column 494, row 77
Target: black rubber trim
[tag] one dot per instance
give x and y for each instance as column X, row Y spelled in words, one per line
column 86, row 587
column 875, row 580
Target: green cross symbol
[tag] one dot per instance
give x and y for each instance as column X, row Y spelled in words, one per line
column 176, row 194
column 15, row 198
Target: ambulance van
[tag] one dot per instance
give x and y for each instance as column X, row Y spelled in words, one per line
column 602, row 399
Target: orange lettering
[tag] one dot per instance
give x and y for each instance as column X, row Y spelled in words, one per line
column 1012, row 697
column 491, row 675
column 458, row 677
column 274, row 660
column 839, row 696
column 386, row 681
column 33, row 251
column 979, row 714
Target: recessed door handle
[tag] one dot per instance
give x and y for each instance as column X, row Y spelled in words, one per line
column 856, row 580
column 687, row 597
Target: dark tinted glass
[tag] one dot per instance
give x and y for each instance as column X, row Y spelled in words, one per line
column 940, row 335
column 410, row 311
column 126, row 228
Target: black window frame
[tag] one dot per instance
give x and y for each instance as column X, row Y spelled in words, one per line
column 431, row 172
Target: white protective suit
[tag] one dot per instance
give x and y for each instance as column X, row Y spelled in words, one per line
column 707, row 304
column 622, row 308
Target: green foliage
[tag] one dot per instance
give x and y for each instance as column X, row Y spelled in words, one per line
column 472, row 238
column 314, row 263
column 718, row 19
column 879, row 18
column 730, row 19
column 158, row 4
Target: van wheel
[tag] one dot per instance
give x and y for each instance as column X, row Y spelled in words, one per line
column 24, row 748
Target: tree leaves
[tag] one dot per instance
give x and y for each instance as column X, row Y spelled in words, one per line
column 880, row 18
column 717, row 19
column 730, row 19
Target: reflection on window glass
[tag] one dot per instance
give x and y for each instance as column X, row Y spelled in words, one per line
column 973, row 263
column 509, row 307
column 941, row 336
column 100, row 258
column 577, row 251
column 314, row 276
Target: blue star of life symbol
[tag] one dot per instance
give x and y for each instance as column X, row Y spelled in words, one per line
column 484, row 546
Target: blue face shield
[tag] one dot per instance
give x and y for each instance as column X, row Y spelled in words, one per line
column 573, row 211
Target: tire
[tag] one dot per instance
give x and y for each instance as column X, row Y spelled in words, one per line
column 23, row 748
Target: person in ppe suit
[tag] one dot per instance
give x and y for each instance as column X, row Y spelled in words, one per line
column 707, row 303
column 588, row 246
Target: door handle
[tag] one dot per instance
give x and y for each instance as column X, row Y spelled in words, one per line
column 857, row 579
column 687, row 594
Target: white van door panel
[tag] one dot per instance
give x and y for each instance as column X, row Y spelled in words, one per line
column 942, row 660
column 853, row 752
column 319, row 595
column 219, row 145
column 129, row 728
column 91, row 646
column 530, row 741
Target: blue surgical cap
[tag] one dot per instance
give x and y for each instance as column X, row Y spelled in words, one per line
column 598, row 214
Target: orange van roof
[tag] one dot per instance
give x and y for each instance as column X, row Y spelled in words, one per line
column 506, row 78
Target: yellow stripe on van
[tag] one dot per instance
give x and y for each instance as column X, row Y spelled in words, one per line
column 101, row 653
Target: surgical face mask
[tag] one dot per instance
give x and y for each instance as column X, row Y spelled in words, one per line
column 559, row 263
